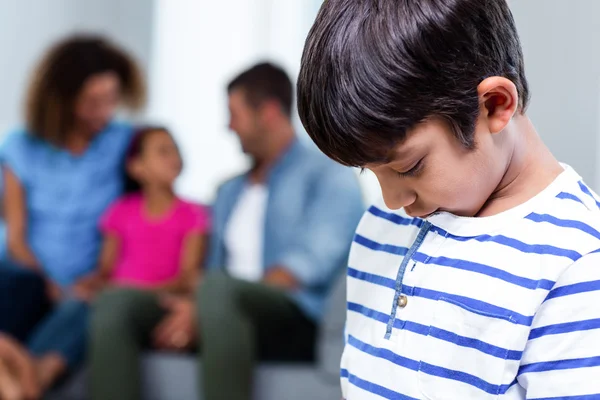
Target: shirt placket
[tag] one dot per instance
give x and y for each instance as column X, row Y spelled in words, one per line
column 400, row 299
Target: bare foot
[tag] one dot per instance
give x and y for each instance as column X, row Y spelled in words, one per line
column 10, row 388
column 49, row 368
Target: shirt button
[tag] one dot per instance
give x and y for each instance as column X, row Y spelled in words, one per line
column 402, row 301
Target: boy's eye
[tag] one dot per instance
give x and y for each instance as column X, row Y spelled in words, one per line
column 414, row 171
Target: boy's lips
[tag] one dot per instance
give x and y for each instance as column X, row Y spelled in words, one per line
column 420, row 214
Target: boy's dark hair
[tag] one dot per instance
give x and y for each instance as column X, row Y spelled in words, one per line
column 60, row 76
column 373, row 69
column 264, row 82
column 135, row 149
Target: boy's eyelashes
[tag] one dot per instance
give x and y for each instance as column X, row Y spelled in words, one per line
column 413, row 171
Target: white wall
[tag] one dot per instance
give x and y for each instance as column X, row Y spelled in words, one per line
column 562, row 59
column 28, row 27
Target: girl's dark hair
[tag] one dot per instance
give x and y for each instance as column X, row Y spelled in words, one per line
column 136, row 147
column 60, row 76
column 373, row 69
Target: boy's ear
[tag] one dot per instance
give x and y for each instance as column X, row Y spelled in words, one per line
column 499, row 100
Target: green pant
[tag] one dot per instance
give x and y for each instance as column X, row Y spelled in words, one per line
column 239, row 323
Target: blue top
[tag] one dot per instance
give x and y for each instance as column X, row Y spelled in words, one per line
column 312, row 212
column 65, row 196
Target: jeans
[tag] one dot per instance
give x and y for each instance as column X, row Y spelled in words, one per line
column 28, row 315
column 63, row 331
column 23, row 301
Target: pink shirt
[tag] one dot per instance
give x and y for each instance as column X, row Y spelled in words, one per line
column 151, row 248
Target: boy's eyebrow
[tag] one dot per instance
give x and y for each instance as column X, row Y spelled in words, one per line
column 392, row 156
column 398, row 153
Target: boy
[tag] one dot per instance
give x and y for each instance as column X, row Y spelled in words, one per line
column 484, row 282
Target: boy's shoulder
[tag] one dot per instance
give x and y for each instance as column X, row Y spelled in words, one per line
column 573, row 216
column 385, row 226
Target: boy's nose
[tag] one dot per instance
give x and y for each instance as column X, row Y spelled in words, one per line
column 395, row 195
column 396, row 200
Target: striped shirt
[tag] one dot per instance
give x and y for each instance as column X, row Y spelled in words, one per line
column 506, row 306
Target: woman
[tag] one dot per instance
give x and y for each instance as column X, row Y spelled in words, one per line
column 60, row 173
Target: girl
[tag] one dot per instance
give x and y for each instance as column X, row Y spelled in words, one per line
column 153, row 240
column 60, row 173
column 153, row 247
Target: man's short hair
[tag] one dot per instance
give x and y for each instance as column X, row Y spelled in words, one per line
column 373, row 69
column 265, row 82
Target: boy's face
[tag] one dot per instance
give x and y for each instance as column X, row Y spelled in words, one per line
column 432, row 171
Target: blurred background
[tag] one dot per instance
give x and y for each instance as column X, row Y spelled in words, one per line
column 191, row 49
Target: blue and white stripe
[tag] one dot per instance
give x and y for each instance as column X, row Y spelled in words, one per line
column 500, row 307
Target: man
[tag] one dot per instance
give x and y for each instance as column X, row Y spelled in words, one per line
column 281, row 233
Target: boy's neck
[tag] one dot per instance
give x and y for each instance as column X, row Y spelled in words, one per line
column 158, row 200
column 531, row 167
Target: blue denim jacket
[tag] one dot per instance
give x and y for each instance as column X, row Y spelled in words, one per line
column 312, row 212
